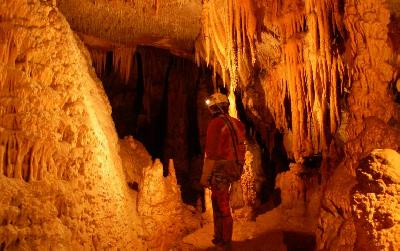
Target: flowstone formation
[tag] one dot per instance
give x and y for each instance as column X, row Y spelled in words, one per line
column 376, row 200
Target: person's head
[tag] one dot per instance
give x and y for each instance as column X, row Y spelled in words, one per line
column 218, row 104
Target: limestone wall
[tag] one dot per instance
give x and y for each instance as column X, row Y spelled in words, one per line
column 61, row 178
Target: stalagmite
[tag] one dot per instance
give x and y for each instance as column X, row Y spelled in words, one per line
column 134, row 159
column 160, row 205
column 292, row 189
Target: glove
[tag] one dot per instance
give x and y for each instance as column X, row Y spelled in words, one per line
column 208, row 167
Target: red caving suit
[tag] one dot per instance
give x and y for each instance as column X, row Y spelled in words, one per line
column 219, row 147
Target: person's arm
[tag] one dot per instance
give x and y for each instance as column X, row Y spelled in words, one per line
column 208, row 167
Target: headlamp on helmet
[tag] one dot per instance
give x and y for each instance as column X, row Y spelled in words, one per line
column 217, row 99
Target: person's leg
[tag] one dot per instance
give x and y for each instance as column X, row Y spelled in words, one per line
column 216, row 216
column 227, row 221
column 224, row 213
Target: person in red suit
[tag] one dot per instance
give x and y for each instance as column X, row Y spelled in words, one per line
column 224, row 148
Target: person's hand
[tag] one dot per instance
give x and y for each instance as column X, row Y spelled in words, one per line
column 208, row 167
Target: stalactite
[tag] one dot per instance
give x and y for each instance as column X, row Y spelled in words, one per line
column 156, row 5
column 99, row 60
column 122, row 61
column 8, row 46
column 21, row 157
column 228, row 39
column 232, row 102
column 309, row 73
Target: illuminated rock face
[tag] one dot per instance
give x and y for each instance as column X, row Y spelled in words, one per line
column 370, row 118
column 134, row 159
column 61, row 179
column 299, row 191
column 165, row 217
column 375, row 201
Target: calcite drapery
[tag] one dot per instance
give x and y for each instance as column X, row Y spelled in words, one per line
column 304, row 88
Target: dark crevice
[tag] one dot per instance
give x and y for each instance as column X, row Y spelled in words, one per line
column 134, row 186
column 296, row 241
column 163, row 119
column 193, row 131
column 394, row 90
column 288, row 111
column 139, row 92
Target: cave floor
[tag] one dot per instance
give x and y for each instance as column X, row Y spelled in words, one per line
column 265, row 233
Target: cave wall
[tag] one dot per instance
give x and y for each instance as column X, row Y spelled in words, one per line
column 61, row 177
column 324, row 74
column 371, row 117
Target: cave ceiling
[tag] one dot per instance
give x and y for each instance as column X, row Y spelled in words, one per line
column 170, row 24
column 177, row 24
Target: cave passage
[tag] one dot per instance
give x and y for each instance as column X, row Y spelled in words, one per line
column 158, row 98
column 160, row 102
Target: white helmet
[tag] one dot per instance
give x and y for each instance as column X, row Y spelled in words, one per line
column 216, row 99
